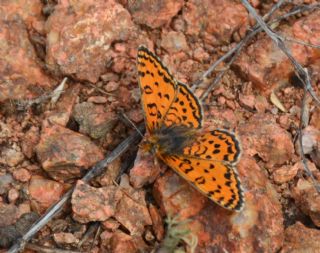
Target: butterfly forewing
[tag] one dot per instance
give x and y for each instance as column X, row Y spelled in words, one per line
column 185, row 110
column 158, row 88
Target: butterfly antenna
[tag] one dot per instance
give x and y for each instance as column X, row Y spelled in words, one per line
column 125, row 118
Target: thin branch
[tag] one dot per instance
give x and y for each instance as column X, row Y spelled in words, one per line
column 301, row 42
column 43, row 249
column 93, row 227
column 301, row 150
column 99, row 89
column 235, row 51
column 301, row 73
column 25, row 104
column 232, row 51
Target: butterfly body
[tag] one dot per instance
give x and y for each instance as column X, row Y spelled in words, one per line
column 168, row 140
column 173, row 115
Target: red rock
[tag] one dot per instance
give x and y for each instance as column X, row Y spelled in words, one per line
column 231, row 104
column 216, row 20
column 121, row 242
column 111, row 224
column 175, row 195
column 174, row 42
column 8, row 214
column 285, row 174
column 64, row 153
column 300, row 239
column 24, row 208
column 267, row 67
column 261, row 135
column 111, row 173
column 311, row 137
column 144, row 170
column 120, row 47
column 19, row 82
column 94, row 120
column 148, row 236
column 28, row 10
column 221, row 118
column 261, row 104
column 310, row 140
column 119, row 65
column 110, row 77
column 200, row 54
column 133, row 215
column 308, row 200
column 111, row 86
column 11, row 156
column 94, row 204
column 285, row 121
column 29, row 141
column 63, row 238
column 135, row 115
column 221, row 100
column 126, row 97
column 105, row 238
column 78, row 42
column 64, row 107
column 22, row 175
column 6, row 131
column 247, row 100
column 315, row 157
column 154, row 13
column 98, row 99
column 315, row 118
column 25, row 221
column 5, row 183
column 13, row 195
column 157, row 222
column 43, row 193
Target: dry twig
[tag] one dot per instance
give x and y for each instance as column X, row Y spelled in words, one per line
column 301, row 73
column 43, row 249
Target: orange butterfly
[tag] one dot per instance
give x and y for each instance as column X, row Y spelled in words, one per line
column 173, row 116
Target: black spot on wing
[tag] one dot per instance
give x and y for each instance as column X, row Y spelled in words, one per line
column 200, row 180
column 147, row 90
column 140, row 73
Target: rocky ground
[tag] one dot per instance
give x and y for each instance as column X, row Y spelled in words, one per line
column 49, row 141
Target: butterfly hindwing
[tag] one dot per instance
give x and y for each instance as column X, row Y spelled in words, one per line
column 215, row 179
column 158, row 88
column 185, row 110
column 216, row 145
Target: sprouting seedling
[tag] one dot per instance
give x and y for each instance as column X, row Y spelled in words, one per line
column 178, row 234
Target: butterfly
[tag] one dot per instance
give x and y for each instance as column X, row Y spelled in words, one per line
column 173, row 117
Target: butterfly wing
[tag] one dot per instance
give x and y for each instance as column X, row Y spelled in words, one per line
column 216, row 145
column 158, row 88
column 185, row 110
column 164, row 100
column 207, row 162
column 215, row 179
